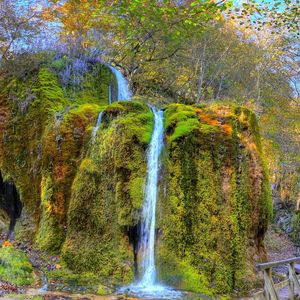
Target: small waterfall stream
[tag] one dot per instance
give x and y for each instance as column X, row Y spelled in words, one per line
column 97, row 126
column 147, row 285
column 147, row 238
column 123, row 89
column 123, row 94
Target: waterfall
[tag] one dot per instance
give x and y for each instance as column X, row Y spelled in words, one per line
column 123, row 90
column 123, row 94
column 147, row 286
column 97, row 126
column 147, row 238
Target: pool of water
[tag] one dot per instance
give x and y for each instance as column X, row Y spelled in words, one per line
column 156, row 292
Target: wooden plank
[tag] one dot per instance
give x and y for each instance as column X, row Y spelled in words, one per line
column 278, row 286
column 293, row 276
column 270, row 291
column 269, row 265
column 291, row 290
column 282, row 284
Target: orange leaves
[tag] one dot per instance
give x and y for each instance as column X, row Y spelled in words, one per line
column 198, row 110
column 7, row 244
column 227, row 128
column 47, row 15
column 209, row 119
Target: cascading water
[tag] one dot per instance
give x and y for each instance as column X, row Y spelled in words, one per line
column 149, row 207
column 123, row 90
column 123, row 94
column 97, row 126
column 147, row 286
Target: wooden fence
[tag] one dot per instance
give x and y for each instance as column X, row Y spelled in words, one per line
column 270, row 288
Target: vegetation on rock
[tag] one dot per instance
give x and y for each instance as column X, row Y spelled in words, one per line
column 220, row 79
column 87, row 197
column 15, row 266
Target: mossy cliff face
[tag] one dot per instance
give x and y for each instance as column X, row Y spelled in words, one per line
column 107, row 195
column 44, row 133
column 86, row 198
column 214, row 202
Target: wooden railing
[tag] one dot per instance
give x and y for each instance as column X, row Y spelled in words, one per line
column 270, row 289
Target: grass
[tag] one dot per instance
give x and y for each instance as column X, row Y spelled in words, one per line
column 15, row 266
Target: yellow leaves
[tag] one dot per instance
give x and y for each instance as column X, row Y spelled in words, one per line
column 47, row 15
column 182, row 79
column 48, row 207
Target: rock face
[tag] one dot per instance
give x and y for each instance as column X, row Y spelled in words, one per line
column 215, row 204
column 214, row 201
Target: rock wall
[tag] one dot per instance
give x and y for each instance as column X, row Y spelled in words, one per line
column 215, row 202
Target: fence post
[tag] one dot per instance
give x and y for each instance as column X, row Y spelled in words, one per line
column 291, row 284
column 270, row 290
column 292, row 275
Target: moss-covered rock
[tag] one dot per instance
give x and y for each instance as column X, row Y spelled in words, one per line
column 45, row 133
column 86, row 197
column 107, row 195
column 215, row 201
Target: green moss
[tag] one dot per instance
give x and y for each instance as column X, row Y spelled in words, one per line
column 87, row 197
column 101, row 256
column 180, row 274
column 103, row 290
column 15, row 267
column 50, row 234
column 212, row 199
column 94, row 86
column 184, row 128
column 209, row 129
column 49, row 92
column 107, row 195
column 87, row 166
column 180, row 115
column 180, row 120
column 84, row 111
column 136, row 191
column 139, row 126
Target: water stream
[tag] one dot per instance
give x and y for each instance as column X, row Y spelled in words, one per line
column 147, row 285
column 147, row 236
column 123, row 94
column 97, row 126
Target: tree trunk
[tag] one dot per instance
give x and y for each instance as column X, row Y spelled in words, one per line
column 202, row 71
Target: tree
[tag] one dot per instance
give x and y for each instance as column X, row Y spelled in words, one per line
column 135, row 32
column 19, row 24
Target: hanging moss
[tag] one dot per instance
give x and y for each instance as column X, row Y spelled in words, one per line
column 107, row 195
column 44, row 133
column 94, row 86
column 50, row 234
column 86, row 198
column 212, row 206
